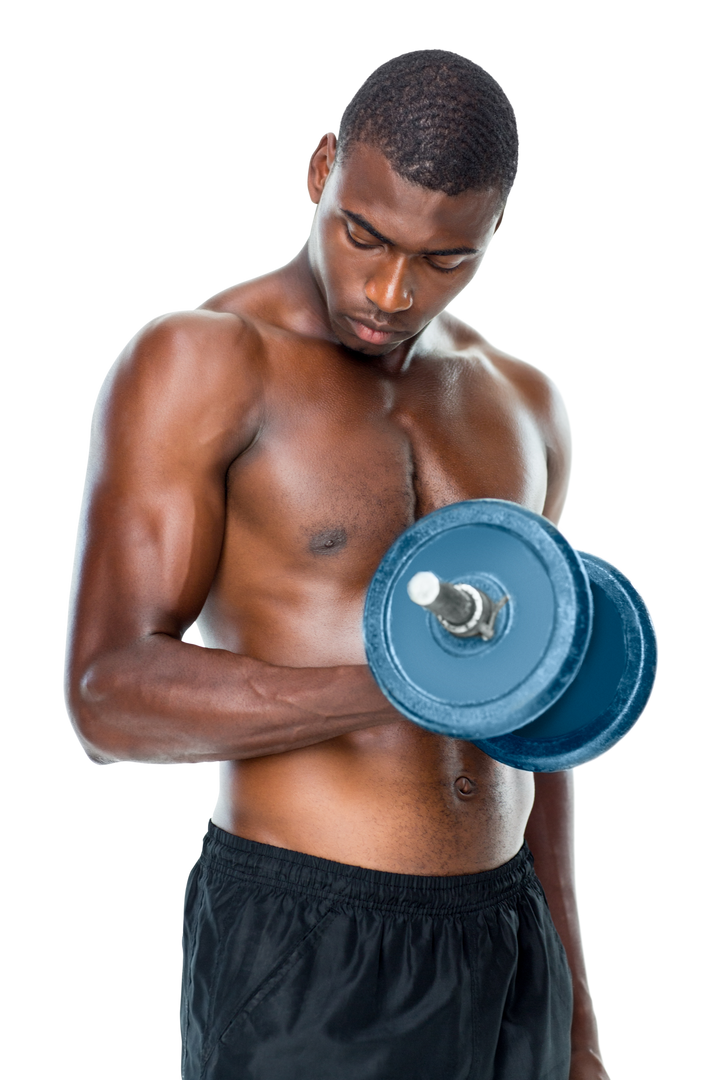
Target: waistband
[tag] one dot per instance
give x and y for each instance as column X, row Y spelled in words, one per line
column 307, row 875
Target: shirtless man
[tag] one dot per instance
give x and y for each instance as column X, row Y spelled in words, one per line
column 365, row 905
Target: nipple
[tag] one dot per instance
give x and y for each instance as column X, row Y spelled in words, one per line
column 327, row 541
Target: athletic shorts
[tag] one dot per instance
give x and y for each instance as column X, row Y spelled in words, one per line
column 297, row 968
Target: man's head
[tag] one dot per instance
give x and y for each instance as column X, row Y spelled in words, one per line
column 409, row 195
column 440, row 120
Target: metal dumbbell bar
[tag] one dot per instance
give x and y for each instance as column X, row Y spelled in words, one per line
column 461, row 609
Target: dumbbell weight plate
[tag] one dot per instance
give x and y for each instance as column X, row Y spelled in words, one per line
column 608, row 693
column 467, row 687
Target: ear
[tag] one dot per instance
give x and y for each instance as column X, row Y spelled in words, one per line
column 320, row 165
column 501, row 221
column 497, row 223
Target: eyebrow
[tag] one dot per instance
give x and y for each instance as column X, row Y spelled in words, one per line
column 359, row 220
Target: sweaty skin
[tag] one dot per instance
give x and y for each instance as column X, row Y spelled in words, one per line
column 251, row 463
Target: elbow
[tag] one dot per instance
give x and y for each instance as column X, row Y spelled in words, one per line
column 89, row 704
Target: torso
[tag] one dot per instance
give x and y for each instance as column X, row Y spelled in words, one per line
column 345, row 457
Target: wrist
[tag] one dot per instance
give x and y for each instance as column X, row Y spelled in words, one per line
column 583, row 1032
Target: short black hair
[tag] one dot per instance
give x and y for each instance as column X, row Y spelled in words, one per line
column 440, row 120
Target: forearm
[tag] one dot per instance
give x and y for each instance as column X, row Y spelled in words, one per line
column 549, row 834
column 163, row 700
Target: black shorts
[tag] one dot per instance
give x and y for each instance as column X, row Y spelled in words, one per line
column 297, row 968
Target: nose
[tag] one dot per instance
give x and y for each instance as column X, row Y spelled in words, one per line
column 389, row 287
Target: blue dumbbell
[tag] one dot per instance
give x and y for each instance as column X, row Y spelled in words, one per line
column 483, row 623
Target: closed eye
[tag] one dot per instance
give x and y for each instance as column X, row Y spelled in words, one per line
column 445, row 269
column 357, row 244
column 367, row 247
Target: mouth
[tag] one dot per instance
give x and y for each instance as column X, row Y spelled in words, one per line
column 368, row 333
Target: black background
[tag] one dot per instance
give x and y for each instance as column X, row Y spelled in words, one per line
column 179, row 171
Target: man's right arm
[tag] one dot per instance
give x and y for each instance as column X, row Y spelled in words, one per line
column 182, row 403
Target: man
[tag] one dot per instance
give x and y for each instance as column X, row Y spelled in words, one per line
column 365, row 906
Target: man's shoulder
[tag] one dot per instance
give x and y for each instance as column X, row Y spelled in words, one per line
column 531, row 386
column 187, row 370
column 184, row 345
column 190, row 336
column 527, row 393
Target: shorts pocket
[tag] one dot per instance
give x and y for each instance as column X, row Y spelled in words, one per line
column 279, row 973
column 269, row 933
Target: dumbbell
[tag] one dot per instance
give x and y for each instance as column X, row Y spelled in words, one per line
column 484, row 624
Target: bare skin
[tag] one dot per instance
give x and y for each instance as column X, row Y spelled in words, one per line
column 252, row 462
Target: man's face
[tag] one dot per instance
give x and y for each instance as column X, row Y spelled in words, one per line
column 388, row 255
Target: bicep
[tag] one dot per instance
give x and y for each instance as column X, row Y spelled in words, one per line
column 152, row 537
column 154, row 511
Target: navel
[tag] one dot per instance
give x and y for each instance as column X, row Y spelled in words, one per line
column 327, row 541
column 465, row 787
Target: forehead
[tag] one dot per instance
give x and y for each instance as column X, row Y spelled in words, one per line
column 364, row 182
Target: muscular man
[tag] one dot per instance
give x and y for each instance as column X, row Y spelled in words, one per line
column 365, row 906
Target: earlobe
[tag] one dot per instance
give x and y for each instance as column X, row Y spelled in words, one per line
column 320, row 165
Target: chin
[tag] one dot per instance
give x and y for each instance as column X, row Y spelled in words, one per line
column 365, row 349
column 356, row 344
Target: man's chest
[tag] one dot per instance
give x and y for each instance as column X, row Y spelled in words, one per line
column 359, row 459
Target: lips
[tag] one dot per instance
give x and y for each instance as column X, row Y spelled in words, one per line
column 372, row 336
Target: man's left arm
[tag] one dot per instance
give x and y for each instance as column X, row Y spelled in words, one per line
column 549, row 834
column 549, row 831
